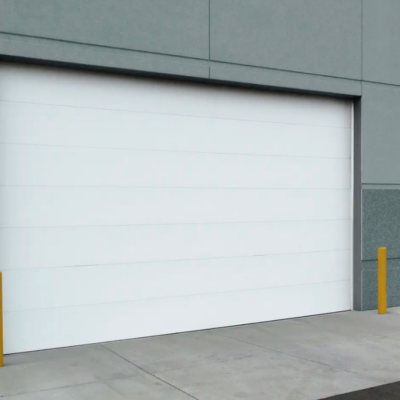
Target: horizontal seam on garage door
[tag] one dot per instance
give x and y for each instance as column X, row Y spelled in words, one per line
column 170, row 151
column 173, row 223
column 177, row 260
column 171, row 114
column 180, row 296
column 174, row 187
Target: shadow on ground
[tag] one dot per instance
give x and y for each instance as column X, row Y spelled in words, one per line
column 384, row 392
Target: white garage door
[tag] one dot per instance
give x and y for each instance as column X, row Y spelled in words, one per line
column 134, row 207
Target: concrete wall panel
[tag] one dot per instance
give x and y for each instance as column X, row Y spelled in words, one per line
column 381, row 33
column 178, row 27
column 381, row 134
column 312, row 36
column 381, row 222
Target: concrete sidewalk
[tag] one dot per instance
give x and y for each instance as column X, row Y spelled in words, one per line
column 307, row 358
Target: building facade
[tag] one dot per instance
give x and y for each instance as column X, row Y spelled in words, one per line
column 335, row 61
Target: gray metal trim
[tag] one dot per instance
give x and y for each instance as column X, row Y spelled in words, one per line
column 357, row 209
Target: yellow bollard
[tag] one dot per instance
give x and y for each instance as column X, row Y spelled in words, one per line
column 1, row 323
column 382, row 281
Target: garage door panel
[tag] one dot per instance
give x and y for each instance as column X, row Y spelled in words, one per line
column 30, row 289
column 98, row 323
column 132, row 207
column 77, row 206
column 28, row 165
column 79, row 89
column 39, row 124
column 50, row 247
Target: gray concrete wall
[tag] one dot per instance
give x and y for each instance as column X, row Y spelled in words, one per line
column 330, row 47
column 381, row 146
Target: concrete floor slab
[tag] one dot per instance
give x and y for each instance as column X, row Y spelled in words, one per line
column 181, row 350
column 285, row 336
column 376, row 358
column 146, row 387
column 349, row 341
column 88, row 391
column 41, row 370
column 269, row 376
column 358, row 325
